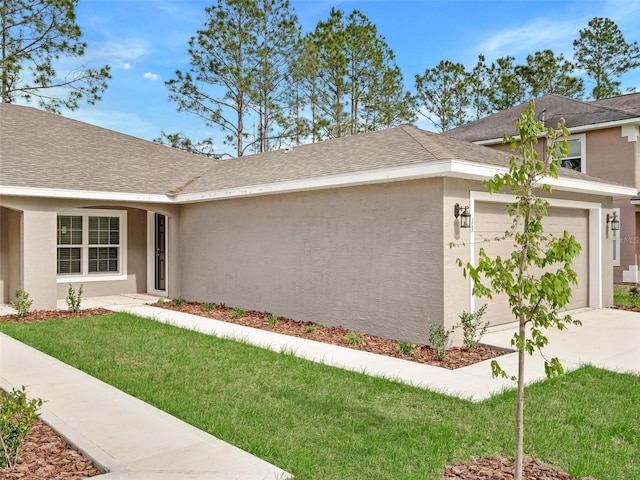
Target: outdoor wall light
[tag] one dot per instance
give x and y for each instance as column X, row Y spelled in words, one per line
column 464, row 214
column 614, row 221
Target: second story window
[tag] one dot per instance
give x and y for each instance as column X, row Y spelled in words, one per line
column 575, row 160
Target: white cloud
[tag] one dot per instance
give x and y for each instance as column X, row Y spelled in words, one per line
column 151, row 76
column 126, row 66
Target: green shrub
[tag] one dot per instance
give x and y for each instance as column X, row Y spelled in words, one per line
column 439, row 339
column 353, row 338
column 208, row 306
column 178, row 301
column 472, row 330
column 17, row 416
column 236, row 313
column 634, row 294
column 21, row 304
column 405, row 348
column 309, row 328
column 74, row 299
column 272, row 319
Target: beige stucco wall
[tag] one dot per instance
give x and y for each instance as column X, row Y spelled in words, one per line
column 611, row 156
column 10, row 253
column 368, row 258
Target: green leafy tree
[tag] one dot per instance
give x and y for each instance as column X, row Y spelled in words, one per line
column 277, row 32
column 34, row 35
column 442, row 94
column 545, row 73
column 537, row 275
column 388, row 104
column 604, row 55
column 505, row 86
column 478, row 82
column 223, row 55
column 204, row 147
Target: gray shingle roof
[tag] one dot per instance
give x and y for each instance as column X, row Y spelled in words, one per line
column 575, row 113
column 43, row 150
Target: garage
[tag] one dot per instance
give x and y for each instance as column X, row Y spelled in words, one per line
column 491, row 221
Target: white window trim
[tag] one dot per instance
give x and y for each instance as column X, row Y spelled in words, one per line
column 583, row 149
column 102, row 277
column 615, row 238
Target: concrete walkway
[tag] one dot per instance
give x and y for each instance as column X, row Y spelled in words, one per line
column 135, row 441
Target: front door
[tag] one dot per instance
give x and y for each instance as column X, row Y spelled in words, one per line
column 160, row 251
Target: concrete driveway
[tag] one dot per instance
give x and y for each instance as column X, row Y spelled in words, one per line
column 608, row 338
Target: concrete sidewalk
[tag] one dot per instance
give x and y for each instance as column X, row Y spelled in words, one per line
column 135, row 441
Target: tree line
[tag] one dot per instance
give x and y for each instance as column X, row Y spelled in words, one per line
column 254, row 75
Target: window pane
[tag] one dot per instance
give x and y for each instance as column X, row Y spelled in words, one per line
column 69, row 260
column 104, row 230
column 69, row 230
column 574, row 148
column 103, row 259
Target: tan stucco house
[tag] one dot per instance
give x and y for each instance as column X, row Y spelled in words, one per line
column 604, row 143
column 353, row 231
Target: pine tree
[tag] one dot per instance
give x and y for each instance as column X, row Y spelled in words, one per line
column 34, row 34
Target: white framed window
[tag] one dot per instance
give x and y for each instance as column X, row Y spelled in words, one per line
column 576, row 159
column 615, row 239
column 91, row 245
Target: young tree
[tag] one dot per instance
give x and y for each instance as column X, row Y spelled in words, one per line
column 603, row 53
column 537, row 275
column 443, row 94
column 34, row 35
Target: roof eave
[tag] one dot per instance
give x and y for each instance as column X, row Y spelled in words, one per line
column 572, row 130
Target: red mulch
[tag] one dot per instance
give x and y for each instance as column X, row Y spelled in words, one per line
column 46, row 456
column 501, row 468
column 457, row 357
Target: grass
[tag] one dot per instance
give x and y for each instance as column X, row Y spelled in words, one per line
column 621, row 295
column 321, row 422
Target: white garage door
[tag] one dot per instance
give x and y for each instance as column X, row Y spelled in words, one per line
column 491, row 220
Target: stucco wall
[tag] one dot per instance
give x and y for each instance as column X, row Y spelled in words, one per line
column 368, row 258
column 10, row 253
column 610, row 156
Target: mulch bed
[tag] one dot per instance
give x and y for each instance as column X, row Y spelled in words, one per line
column 456, row 357
column 501, row 468
column 46, row 456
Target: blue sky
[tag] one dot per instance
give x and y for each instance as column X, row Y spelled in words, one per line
column 145, row 41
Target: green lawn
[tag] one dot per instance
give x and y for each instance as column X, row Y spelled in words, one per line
column 621, row 296
column 320, row 422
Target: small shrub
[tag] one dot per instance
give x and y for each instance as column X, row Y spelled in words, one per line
column 353, row 338
column 160, row 300
column 405, row 348
column 472, row 330
column 21, row 304
column 178, row 301
column 439, row 339
column 17, row 416
column 208, row 306
column 272, row 319
column 309, row 328
column 74, row 299
column 236, row 313
column 634, row 294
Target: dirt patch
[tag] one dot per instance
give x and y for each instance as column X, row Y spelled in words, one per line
column 456, row 357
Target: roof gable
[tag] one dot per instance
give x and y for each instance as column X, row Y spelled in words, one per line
column 551, row 109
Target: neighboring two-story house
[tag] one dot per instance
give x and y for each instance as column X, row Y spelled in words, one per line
column 603, row 143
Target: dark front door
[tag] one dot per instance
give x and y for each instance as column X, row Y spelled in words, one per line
column 161, row 254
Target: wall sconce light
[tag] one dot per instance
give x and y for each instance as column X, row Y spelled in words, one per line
column 614, row 221
column 464, row 214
